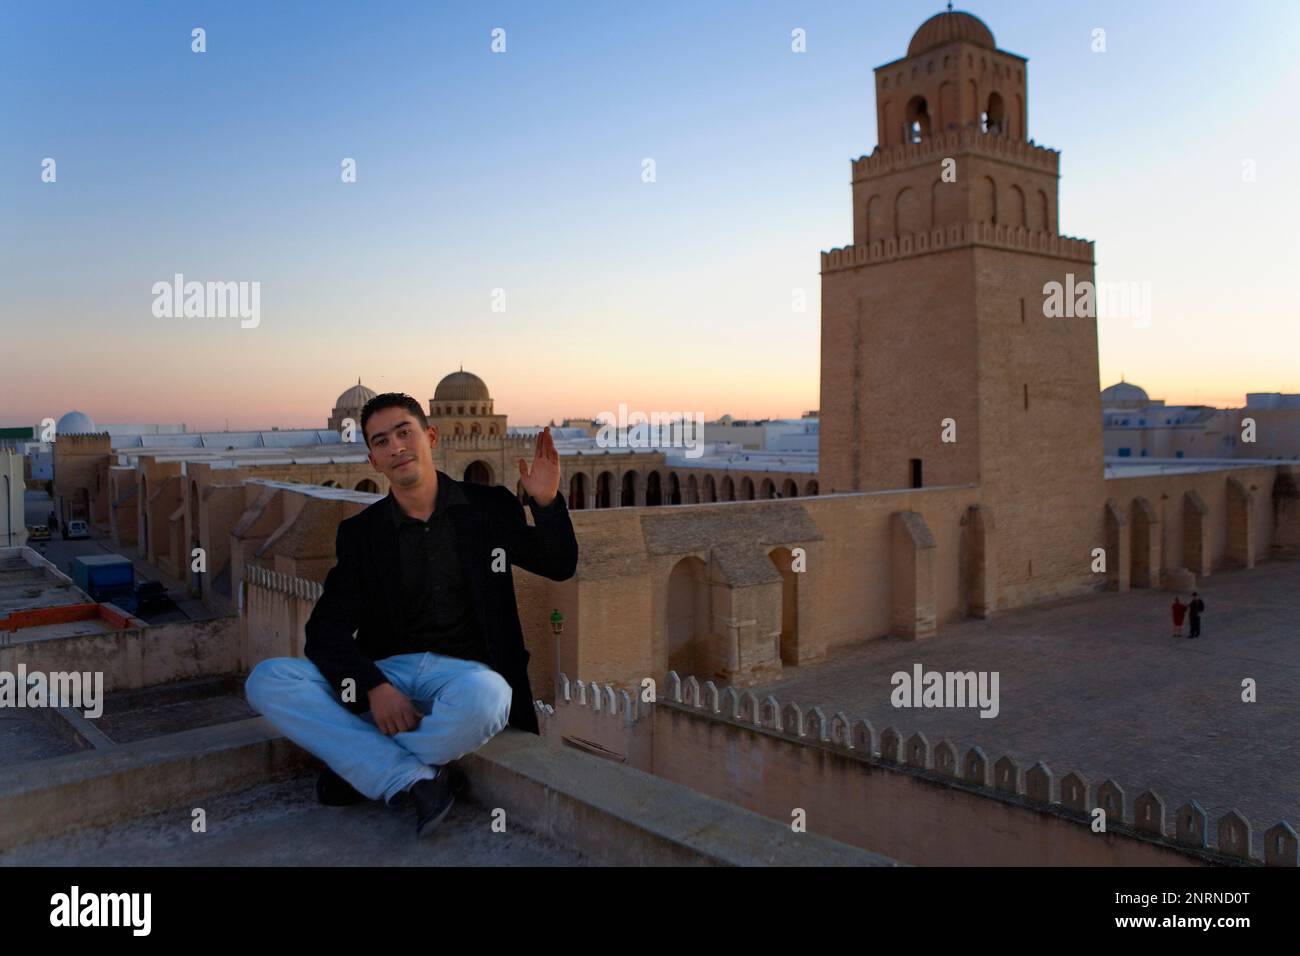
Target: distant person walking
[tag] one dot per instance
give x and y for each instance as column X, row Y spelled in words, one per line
column 1180, row 610
column 1196, row 609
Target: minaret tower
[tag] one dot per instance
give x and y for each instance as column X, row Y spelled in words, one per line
column 933, row 324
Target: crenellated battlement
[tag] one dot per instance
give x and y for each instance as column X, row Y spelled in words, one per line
column 1074, row 799
column 280, row 583
column 490, row 442
column 80, row 440
column 997, row 236
column 889, row 159
column 598, row 698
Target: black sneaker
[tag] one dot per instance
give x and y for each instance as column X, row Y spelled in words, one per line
column 433, row 799
column 333, row 791
column 459, row 782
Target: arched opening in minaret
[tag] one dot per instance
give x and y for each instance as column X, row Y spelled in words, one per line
column 1015, row 207
column 995, row 116
column 917, row 120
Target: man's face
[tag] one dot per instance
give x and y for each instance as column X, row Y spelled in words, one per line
column 400, row 448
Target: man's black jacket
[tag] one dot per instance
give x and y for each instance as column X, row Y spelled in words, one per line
column 363, row 591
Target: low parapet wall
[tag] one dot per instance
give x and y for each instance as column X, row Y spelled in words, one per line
column 136, row 657
column 612, row 815
column 275, row 610
column 892, row 793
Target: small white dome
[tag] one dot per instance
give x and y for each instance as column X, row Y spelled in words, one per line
column 75, row 423
column 1124, row 393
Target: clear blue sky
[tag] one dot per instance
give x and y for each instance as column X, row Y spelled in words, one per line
column 522, row 171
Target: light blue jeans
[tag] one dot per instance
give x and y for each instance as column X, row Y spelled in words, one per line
column 465, row 704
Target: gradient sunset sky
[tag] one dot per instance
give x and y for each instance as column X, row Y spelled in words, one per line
column 522, row 171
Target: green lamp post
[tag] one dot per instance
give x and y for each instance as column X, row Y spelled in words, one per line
column 557, row 628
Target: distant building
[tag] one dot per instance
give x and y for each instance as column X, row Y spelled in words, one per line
column 16, row 439
column 767, row 434
column 1137, row 426
column 13, row 523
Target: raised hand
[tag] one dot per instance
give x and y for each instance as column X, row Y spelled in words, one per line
column 543, row 480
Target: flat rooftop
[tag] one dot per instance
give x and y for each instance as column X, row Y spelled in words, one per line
column 38, row 602
column 801, row 462
column 339, row 454
column 28, row 581
column 1146, row 467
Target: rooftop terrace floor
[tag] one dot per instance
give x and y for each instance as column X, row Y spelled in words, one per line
column 282, row 824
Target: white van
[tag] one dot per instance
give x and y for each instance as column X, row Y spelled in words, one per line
column 76, row 529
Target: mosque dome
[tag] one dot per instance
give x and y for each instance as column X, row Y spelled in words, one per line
column 1124, row 393
column 75, row 423
column 949, row 27
column 461, row 386
column 355, row 397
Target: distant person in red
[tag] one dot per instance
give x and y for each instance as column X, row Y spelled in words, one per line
column 1195, row 610
column 1180, row 609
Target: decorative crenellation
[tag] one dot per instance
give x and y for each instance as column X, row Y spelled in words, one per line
column 996, row 235
column 82, row 438
column 490, row 442
column 887, row 159
column 600, row 698
column 282, row 583
column 1145, row 816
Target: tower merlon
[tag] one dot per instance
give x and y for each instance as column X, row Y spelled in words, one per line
column 1017, row 238
column 953, row 143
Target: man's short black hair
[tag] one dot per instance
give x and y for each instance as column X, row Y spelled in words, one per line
column 391, row 400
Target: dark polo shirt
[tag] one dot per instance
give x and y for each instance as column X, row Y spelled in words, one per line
column 435, row 601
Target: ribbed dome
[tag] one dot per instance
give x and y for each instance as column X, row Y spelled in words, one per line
column 948, row 27
column 1124, row 393
column 461, row 386
column 74, row 423
column 355, row 397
